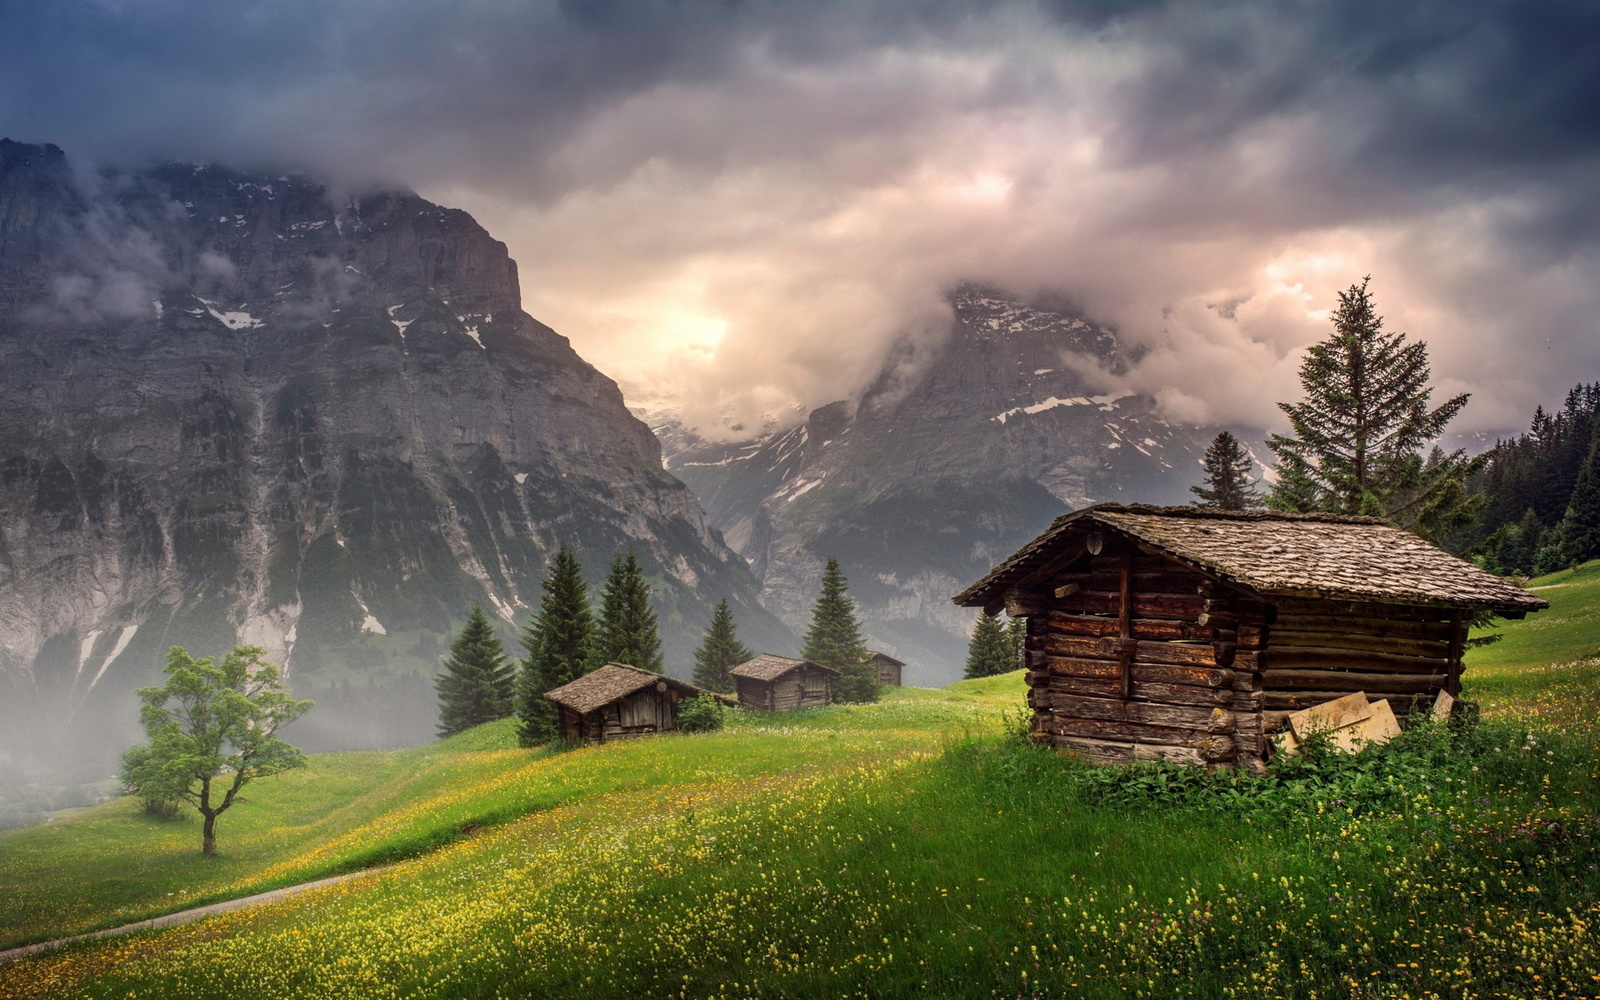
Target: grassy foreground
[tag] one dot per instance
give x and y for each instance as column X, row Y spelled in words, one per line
column 905, row 849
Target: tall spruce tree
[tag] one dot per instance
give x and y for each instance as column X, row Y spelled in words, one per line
column 1580, row 526
column 1017, row 632
column 1357, row 440
column 834, row 638
column 560, row 643
column 477, row 683
column 1228, row 485
column 629, row 631
column 720, row 651
column 991, row 649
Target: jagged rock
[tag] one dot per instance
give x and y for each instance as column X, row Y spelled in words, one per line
column 233, row 408
column 953, row 458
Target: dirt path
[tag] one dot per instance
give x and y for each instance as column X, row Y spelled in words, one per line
column 181, row 917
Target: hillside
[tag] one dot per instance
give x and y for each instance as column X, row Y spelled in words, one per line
column 245, row 408
column 903, row 849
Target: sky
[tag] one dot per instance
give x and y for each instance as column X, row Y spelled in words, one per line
column 736, row 208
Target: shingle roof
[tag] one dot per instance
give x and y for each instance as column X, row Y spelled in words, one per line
column 607, row 684
column 873, row 654
column 1299, row 555
column 767, row 667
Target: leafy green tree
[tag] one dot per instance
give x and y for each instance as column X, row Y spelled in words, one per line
column 719, row 652
column 218, row 735
column 628, row 630
column 834, row 638
column 1580, row 526
column 560, row 643
column 1228, row 485
column 478, row 682
column 991, row 650
column 1357, row 440
column 160, row 790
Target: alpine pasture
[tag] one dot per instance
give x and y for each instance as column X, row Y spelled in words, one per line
column 915, row 847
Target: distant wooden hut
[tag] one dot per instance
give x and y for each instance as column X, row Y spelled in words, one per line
column 888, row 668
column 618, row 701
column 1187, row 634
column 780, row 684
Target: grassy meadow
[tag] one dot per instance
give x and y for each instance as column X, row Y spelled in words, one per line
column 909, row 848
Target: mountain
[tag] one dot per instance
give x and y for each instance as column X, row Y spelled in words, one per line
column 237, row 408
column 956, row 455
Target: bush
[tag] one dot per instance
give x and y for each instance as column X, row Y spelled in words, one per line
column 703, row 714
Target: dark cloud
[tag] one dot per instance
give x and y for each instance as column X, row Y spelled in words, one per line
column 747, row 202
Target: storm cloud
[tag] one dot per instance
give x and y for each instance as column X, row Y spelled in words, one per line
column 739, row 208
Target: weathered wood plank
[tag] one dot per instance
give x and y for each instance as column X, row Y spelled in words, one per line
column 1437, row 631
column 1143, row 628
column 1283, row 637
column 1459, row 623
column 1252, row 636
column 1294, row 701
column 1160, row 673
column 1118, row 752
column 1104, row 729
column 1144, row 605
column 1111, row 647
column 1177, row 582
column 1320, row 658
column 1250, row 661
column 1172, row 694
column 1212, row 719
column 1350, row 680
column 1361, row 609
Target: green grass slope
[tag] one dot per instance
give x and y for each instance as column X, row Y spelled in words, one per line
column 1546, row 668
column 906, row 849
column 347, row 811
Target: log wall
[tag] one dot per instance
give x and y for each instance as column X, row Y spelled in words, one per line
column 607, row 722
column 804, row 687
column 1186, row 668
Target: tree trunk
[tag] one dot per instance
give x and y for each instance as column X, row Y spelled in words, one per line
column 208, row 839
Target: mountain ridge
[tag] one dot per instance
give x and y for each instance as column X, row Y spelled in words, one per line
column 237, row 409
column 958, row 452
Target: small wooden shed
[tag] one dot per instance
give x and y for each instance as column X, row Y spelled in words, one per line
column 888, row 668
column 780, row 684
column 619, row 701
column 1191, row 635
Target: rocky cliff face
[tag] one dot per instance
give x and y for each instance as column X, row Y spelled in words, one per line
column 237, row 409
column 950, row 461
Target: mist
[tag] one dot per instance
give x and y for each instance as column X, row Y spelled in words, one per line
column 737, row 210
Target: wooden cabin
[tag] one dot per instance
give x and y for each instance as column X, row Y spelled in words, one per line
column 888, row 668
column 1191, row 635
column 618, row 701
column 779, row 684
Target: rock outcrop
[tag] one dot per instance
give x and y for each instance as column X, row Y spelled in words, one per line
column 959, row 452
column 234, row 408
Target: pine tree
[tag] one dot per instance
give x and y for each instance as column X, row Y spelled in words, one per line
column 560, row 644
column 720, row 652
column 1228, row 485
column 1357, row 439
column 476, row 685
column 991, row 649
column 628, row 631
column 834, row 638
column 1017, row 631
column 1580, row 526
